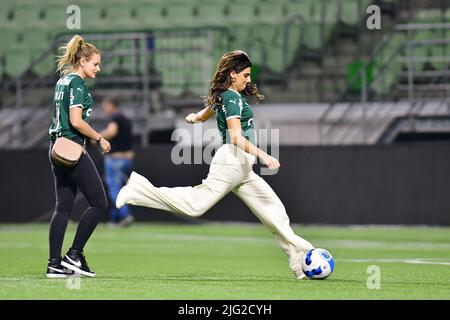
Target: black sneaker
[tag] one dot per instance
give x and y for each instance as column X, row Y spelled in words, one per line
column 56, row 270
column 75, row 260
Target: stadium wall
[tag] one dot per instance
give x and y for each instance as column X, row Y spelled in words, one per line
column 384, row 184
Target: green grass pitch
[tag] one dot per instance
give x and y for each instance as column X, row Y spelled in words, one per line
column 228, row 261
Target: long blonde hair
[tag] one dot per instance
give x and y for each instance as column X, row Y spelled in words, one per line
column 74, row 50
column 235, row 60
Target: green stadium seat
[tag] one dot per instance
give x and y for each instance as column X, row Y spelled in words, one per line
column 299, row 8
column 17, row 60
column 384, row 78
column 241, row 13
column 120, row 16
column 310, row 14
column 26, row 15
column 171, row 64
column 93, row 18
column 180, row 14
column 6, row 11
column 1, row 67
column 46, row 66
column 420, row 52
column 271, row 12
column 430, row 15
column 210, row 13
column 55, row 19
column 240, row 18
column 195, row 73
column 8, row 37
column 350, row 13
column 150, row 16
column 441, row 51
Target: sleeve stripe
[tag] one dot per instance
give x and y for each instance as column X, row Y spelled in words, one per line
column 76, row 105
column 233, row 117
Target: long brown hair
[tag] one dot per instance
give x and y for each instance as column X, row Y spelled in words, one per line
column 74, row 50
column 231, row 61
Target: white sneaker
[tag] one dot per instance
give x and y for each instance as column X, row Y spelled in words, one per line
column 299, row 274
column 122, row 197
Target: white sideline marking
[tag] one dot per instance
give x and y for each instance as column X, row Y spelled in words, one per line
column 411, row 261
column 255, row 240
column 388, row 245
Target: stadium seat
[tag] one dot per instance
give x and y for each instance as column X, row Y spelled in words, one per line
column 172, row 65
column 350, row 13
column 210, row 13
column 240, row 18
column 385, row 77
column 440, row 51
column 17, row 60
column 54, row 19
column 93, row 18
column 311, row 15
column 271, row 12
column 180, row 14
column 430, row 15
column 150, row 16
column 121, row 16
column 8, row 35
column 240, row 13
column 26, row 15
column 6, row 11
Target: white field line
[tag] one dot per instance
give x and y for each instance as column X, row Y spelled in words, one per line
column 366, row 244
column 262, row 240
column 410, row 261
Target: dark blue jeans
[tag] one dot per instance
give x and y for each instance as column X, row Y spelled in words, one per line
column 117, row 171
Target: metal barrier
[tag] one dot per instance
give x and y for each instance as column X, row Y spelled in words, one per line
column 330, row 123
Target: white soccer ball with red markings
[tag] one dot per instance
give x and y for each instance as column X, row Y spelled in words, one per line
column 318, row 264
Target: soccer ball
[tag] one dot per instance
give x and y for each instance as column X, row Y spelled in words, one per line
column 318, row 263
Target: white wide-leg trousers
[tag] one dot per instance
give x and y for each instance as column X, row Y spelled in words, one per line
column 230, row 170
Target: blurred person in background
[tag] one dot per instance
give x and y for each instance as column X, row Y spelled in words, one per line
column 72, row 108
column 119, row 162
column 231, row 169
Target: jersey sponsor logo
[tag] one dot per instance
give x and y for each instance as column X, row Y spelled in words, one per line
column 240, row 106
column 80, row 89
column 71, row 96
column 233, row 101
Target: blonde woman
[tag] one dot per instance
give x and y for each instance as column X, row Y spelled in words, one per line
column 231, row 167
column 72, row 108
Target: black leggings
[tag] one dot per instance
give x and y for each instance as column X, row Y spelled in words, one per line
column 84, row 176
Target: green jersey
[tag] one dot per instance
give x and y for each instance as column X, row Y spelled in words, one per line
column 235, row 106
column 70, row 92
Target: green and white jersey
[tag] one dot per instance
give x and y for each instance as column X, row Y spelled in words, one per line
column 70, row 92
column 235, row 106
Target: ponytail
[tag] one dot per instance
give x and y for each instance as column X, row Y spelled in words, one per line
column 74, row 50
